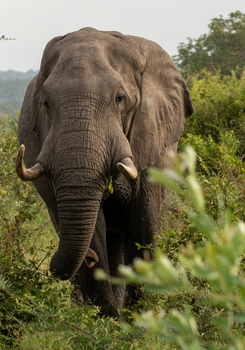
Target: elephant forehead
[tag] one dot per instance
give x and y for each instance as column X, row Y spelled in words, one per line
column 93, row 50
column 85, row 63
column 83, row 89
column 84, row 67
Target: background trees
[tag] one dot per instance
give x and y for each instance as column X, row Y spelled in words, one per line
column 12, row 90
column 223, row 48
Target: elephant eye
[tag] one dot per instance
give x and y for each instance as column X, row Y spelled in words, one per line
column 46, row 104
column 120, row 96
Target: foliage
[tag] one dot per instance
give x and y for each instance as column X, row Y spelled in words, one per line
column 219, row 105
column 223, row 47
column 217, row 261
column 216, row 132
column 221, row 173
column 19, row 251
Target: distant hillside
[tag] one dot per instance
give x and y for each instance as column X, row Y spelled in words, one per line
column 13, row 86
column 13, row 75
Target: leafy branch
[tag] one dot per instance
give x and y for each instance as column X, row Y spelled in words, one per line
column 3, row 37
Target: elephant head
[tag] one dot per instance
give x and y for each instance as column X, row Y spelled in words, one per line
column 102, row 103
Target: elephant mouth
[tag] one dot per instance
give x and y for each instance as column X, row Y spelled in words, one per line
column 126, row 167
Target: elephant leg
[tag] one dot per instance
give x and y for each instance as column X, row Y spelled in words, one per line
column 98, row 292
column 141, row 225
column 115, row 258
column 135, row 292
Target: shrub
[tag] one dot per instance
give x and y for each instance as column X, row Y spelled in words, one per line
column 22, row 250
column 216, row 262
column 219, row 104
column 221, row 172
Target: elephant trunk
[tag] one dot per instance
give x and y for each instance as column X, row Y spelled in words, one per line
column 78, row 170
column 77, row 218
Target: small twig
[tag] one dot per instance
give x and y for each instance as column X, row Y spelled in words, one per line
column 45, row 257
column 37, row 238
column 74, row 336
column 88, row 345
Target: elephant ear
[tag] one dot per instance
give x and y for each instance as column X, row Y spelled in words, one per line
column 165, row 104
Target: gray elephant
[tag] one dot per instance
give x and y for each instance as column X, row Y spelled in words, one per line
column 104, row 107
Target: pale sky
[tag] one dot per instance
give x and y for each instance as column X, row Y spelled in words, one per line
column 34, row 22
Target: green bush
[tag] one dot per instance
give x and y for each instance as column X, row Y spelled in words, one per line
column 217, row 262
column 22, row 251
column 221, row 172
column 219, row 104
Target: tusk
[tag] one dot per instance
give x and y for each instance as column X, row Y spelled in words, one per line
column 27, row 174
column 91, row 258
column 127, row 168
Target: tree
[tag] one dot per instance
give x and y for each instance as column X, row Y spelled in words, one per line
column 223, row 47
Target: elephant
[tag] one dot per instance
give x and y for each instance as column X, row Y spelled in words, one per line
column 102, row 109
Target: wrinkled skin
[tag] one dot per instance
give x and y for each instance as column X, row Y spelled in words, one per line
column 100, row 98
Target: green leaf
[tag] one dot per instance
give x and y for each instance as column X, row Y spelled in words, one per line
column 171, row 233
column 110, row 187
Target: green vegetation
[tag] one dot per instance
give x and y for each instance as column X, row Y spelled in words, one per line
column 222, row 48
column 196, row 290
column 220, row 303
column 219, row 105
